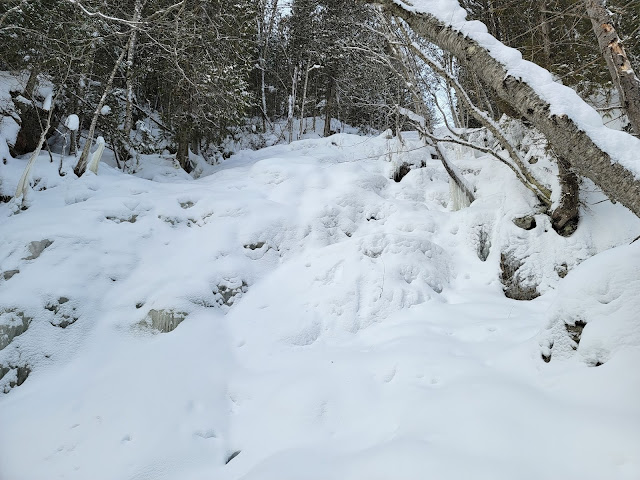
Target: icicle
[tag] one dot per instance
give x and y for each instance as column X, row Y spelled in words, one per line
column 459, row 199
column 97, row 155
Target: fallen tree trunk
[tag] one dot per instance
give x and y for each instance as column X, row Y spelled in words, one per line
column 570, row 142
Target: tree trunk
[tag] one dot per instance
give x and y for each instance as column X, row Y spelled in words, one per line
column 195, row 144
column 31, row 83
column 265, row 33
column 292, row 102
column 315, row 109
column 545, row 31
column 622, row 74
column 457, row 122
column 263, row 93
column 81, row 166
column 73, row 137
column 328, row 108
column 73, row 143
column 24, row 180
column 564, row 219
column 495, row 28
column 566, row 138
column 304, row 98
column 182, row 155
column 131, row 52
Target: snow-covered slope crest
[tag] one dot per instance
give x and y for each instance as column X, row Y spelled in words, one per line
column 620, row 146
column 296, row 314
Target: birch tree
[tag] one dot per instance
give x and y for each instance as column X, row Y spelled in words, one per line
column 268, row 13
column 131, row 52
column 624, row 79
column 568, row 140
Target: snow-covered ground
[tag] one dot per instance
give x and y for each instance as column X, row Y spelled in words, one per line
column 302, row 308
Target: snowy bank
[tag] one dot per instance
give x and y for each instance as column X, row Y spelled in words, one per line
column 299, row 314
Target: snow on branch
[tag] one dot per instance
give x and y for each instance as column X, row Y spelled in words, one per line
column 102, row 15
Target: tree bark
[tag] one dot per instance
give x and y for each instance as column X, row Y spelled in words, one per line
column 265, row 33
column 182, row 154
column 31, row 82
column 566, row 138
column 624, row 78
column 564, row 219
column 292, row 102
column 328, row 108
column 545, row 31
column 304, row 98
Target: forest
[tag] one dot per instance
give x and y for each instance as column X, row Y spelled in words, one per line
column 312, row 239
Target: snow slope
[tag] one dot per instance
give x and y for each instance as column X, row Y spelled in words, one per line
column 318, row 318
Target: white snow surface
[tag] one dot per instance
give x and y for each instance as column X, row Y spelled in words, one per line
column 46, row 105
column 366, row 339
column 621, row 147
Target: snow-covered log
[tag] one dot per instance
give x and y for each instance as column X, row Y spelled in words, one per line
column 574, row 130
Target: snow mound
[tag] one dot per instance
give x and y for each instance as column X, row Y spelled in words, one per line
column 595, row 316
column 72, row 122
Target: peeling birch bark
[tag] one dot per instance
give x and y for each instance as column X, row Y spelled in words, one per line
column 624, row 78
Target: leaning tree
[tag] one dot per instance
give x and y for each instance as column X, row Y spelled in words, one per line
column 605, row 156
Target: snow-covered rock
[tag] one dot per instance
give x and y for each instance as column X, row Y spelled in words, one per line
column 72, row 122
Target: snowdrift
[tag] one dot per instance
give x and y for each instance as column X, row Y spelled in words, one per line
column 300, row 314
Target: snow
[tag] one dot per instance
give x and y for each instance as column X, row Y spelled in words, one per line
column 46, row 105
column 106, row 110
column 621, row 147
column 94, row 161
column 337, row 324
column 609, row 306
column 72, row 122
column 9, row 126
